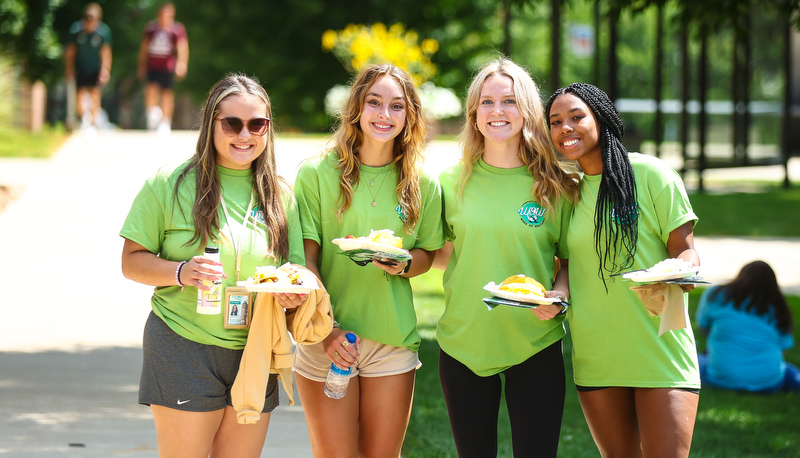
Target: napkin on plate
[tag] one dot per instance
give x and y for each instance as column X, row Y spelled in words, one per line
column 665, row 300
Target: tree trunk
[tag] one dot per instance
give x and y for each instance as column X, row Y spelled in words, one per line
column 613, row 62
column 555, row 45
column 659, row 80
column 507, row 28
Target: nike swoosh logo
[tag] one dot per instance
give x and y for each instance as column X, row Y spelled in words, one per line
column 183, row 402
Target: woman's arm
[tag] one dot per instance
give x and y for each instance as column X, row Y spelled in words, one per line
column 560, row 289
column 681, row 245
column 311, row 250
column 420, row 263
column 143, row 266
column 442, row 256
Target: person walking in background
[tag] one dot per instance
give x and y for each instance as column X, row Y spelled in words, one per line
column 163, row 58
column 371, row 179
column 638, row 390
column 506, row 208
column 227, row 195
column 749, row 325
column 88, row 63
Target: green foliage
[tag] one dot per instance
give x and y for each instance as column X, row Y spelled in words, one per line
column 21, row 143
column 772, row 213
column 281, row 45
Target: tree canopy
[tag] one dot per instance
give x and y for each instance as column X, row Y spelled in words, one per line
column 280, row 42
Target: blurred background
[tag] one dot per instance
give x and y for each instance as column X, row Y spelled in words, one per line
column 714, row 80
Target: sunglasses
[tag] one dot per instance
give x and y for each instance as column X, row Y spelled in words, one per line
column 232, row 126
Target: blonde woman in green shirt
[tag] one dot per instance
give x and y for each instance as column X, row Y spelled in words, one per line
column 370, row 180
column 506, row 209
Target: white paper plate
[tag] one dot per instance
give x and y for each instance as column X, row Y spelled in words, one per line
column 308, row 285
column 647, row 276
column 356, row 244
column 527, row 298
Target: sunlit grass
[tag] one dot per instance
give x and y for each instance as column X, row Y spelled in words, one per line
column 16, row 142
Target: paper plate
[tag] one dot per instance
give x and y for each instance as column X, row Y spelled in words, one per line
column 647, row 276
column 527, row 298
column 309, row 284
column 377, row 248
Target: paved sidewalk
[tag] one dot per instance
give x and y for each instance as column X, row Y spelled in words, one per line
column 71, row 324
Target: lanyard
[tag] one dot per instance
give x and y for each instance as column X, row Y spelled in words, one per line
column 237, row 246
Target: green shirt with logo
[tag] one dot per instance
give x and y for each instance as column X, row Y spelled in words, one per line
column 497, row 230
column 161, row 221
column 615, row 340
column 375, row 306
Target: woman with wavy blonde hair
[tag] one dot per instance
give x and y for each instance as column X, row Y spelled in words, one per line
column 370, row 180
column 506, row 208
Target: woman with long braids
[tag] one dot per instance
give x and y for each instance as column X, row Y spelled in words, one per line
column 227, row 195
column 371, row 179
column 749, row 326
column 639, row 391
column 506, row 208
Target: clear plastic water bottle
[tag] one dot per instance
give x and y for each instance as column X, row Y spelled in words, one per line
column 339, row 378
column 209, row 302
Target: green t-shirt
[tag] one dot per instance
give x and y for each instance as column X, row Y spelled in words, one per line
column 364, row 300
column 88, row 45
column 497, row 230
column 615, row 340
column 162, row 222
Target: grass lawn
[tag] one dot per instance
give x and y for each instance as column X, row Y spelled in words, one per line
column 21, row 143
column 774, row 212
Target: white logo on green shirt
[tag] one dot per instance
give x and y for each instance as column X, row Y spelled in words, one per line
column 532, row 214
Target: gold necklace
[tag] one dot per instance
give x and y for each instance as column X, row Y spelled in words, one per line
column 385, row 173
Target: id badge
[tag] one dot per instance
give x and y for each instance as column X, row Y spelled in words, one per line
column 238, row 307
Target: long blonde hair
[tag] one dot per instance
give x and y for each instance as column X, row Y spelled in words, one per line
column 408, row 145
column 269, row 187
column 551, row 178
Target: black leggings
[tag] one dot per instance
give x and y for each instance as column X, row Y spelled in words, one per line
column 534, row 392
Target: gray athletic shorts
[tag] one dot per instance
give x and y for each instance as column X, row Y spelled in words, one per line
column 185, row 375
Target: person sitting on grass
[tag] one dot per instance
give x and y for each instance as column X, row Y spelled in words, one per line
column 749, row 325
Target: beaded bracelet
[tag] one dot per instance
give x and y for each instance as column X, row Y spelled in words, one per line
column 178, row 275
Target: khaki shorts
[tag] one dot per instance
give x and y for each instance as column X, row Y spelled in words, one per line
column 374, row 360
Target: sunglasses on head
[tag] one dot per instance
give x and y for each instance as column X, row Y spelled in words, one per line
column 232, row 126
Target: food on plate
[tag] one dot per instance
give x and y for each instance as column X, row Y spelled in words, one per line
column 670, row 265
column 286, row 274
column 383, row 236
column 521, row 284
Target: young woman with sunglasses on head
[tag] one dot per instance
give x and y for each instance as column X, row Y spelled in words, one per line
column 638, row 390
column 371, row 179
column 227, row 195
column 506, row 206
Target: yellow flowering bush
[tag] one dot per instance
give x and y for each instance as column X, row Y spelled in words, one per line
column 359, row 45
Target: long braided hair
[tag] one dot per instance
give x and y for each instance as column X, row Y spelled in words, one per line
column 616, row 222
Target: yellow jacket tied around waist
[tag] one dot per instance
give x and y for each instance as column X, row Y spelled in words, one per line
column 269, row 347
